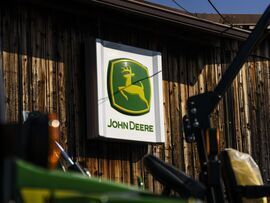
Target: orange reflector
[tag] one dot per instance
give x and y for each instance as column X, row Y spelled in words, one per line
column 53, row 150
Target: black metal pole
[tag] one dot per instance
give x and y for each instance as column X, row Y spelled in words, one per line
column 201, row 106
column 242, row 56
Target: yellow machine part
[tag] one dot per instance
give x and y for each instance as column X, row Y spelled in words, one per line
column 246, row 172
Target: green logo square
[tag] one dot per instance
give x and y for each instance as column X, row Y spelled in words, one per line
column 129, row 86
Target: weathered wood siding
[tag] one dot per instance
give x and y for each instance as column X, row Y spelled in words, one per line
column 42, row 60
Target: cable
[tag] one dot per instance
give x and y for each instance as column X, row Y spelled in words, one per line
column 224, row 19
column 104, row 99
column 213, row 6
column 179, row 5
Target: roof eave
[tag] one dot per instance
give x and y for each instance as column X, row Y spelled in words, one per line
column 170, row 15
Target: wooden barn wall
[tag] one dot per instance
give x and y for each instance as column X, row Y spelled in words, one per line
column 42, row 64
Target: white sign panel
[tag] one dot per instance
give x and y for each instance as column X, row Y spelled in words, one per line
column 129, row 93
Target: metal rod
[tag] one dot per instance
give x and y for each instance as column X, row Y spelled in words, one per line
column 64, row 154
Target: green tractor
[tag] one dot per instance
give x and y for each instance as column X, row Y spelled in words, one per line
column 31, row 152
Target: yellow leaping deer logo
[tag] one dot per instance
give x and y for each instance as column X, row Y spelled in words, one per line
column 131, row 88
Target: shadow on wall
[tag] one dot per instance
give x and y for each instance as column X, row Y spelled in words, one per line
column 113, row 150
column 2, row 99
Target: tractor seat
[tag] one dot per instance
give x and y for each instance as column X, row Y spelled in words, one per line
column 242, row 178
column 173, row 178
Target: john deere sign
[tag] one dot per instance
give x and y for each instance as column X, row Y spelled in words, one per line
column 129, row 86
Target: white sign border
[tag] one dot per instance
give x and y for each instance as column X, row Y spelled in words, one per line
column 101, row 46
